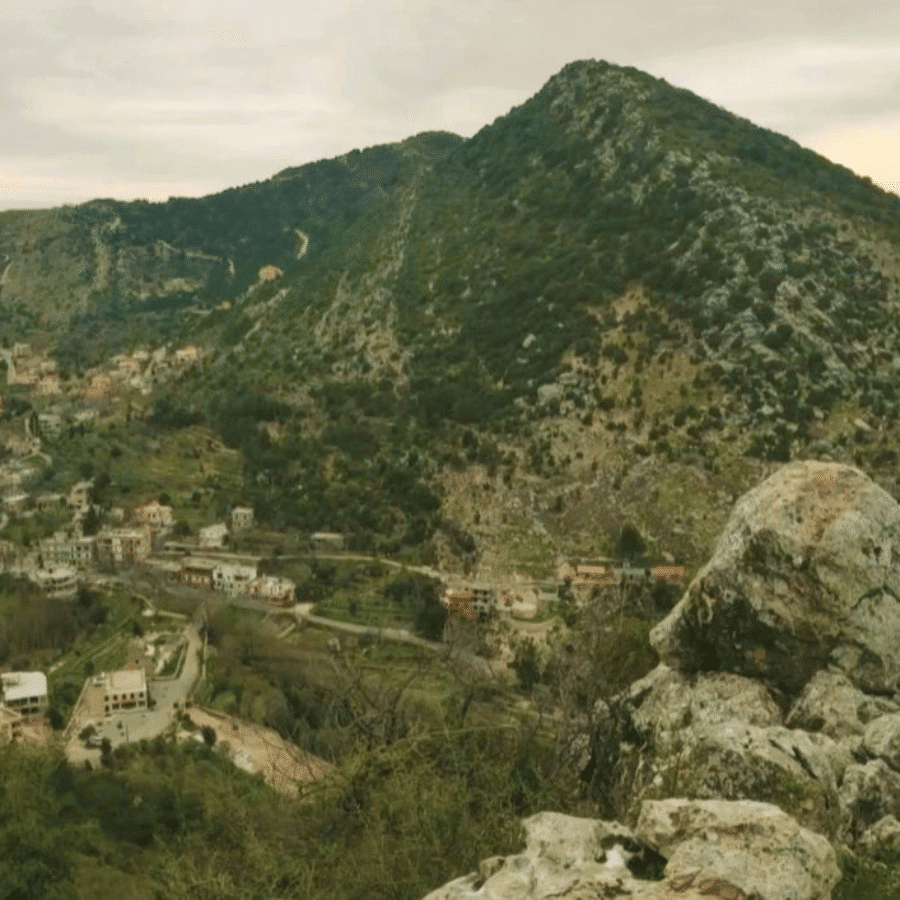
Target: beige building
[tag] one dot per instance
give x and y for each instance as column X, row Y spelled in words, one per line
column 122, row 545
column 271, row 589
column 111, row 692
column 25, row 692
column 154, row 514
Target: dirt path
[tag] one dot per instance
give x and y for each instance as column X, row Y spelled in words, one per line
column 255, row 748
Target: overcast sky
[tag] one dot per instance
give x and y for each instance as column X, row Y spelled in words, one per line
column 154, row 98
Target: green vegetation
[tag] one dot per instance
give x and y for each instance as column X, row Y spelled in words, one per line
column 875, row 875
column 173, row 822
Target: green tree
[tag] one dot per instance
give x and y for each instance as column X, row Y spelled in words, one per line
column 630, row 542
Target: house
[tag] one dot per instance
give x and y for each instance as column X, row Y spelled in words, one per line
column 673, row 574
column 470, row 600
column 599, row 572
column 242, row 518
column 111, row 692
column 60, row 583
column 10, row 724
column 122, row 545
column 232, row 579
column 272, row 589
column 213, row 536
column 198, row 572
column 154, row 514
column 459, row 603
column 327, row 540
column 25, row 692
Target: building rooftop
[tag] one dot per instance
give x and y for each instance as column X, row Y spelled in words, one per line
column 21, row 685
column 122, row 680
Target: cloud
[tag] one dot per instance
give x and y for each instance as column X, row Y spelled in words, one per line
column 157, row 91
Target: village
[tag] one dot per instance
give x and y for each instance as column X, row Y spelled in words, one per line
column 143, row 546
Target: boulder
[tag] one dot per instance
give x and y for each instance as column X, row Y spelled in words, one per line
column 869, row 792
column 564, row 856
column 882, row 740
column 717, row 736
column 754, row 848
column 832, row 704
column 805, row 575
column 665, row 700
column 688, row 850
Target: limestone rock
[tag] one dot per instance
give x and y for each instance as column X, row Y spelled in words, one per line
column 564, row 856
column 805, row 574
column 830, row 703
column 870, row 792
column 752, row 847
column 665, row 700
column 719, row 736
column 882, row 739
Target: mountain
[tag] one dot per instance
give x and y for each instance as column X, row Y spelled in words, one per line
column 617, row 304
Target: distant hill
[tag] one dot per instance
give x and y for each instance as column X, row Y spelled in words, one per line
column 617, row 304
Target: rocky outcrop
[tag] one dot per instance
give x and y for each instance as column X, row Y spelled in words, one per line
column 679, row 849
column 805, row 575
column 721, row 736
column 755, row 847
column 563, row 856
column 882, row 740
column 869, row 792
column 832, row 704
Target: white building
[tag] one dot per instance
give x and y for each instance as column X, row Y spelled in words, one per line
column 60, row 583
column 25, row 692
column 61, row 550
column 233, row 579
column 213, row 535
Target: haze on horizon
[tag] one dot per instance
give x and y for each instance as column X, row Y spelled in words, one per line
column 157, row 98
